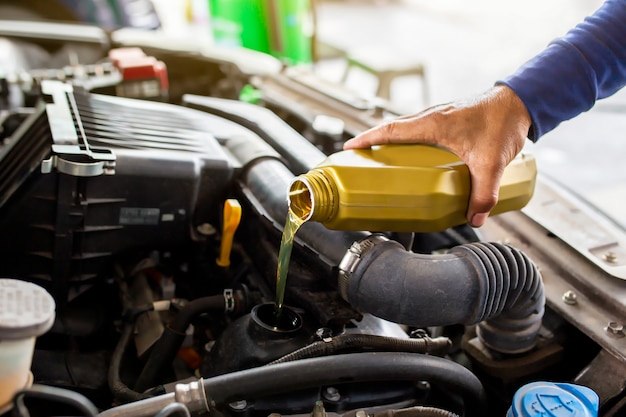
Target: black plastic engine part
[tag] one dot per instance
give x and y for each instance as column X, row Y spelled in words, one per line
column 255, row 340
column 88, row 176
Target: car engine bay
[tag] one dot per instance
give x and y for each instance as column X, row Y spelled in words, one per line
column 144, row 187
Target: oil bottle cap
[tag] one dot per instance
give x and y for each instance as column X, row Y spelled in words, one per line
column 539, row 399
column 26, row 310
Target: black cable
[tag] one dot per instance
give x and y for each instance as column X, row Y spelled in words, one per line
column 118, row 388
column 437, row 346
column 58, row 395
column 165, row 349
column 417, row 412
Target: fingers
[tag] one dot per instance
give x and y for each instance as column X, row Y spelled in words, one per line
column 413, row 129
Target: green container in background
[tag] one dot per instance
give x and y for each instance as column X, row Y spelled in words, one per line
column 240, row 23
column 290, row 30
column 282, row 28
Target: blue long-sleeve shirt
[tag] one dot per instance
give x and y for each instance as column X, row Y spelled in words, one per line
column 566, row 79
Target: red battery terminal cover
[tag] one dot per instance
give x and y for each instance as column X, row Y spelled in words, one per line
column 135, row 65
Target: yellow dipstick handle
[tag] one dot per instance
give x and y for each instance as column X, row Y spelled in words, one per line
column 232, row 217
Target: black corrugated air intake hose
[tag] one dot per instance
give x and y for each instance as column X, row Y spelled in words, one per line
column 491, row 284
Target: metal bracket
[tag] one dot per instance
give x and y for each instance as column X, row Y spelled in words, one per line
column 72, row 154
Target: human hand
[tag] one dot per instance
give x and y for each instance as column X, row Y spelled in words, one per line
column 486, row 132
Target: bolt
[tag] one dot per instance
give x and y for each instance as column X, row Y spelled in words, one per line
column 361, row 413
column 423, row 385
column 615, row 329
column 332, row 394
column 206, row 229
column 238, row 405
column 209, row 345
column 324, row 333
column 610, row 257
column 318, row 410
column 570, row 297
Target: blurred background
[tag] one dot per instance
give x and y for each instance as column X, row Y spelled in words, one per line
column 463, row 46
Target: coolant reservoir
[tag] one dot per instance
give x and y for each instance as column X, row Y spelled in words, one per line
column 26, row 311
column 403, row 188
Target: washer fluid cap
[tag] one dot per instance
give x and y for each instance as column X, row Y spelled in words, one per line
column 26, row 310
column 546, row 399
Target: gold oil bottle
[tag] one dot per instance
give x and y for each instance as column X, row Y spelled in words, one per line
column 403, row 188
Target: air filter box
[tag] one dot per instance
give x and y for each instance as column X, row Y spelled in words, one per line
column 91, row 176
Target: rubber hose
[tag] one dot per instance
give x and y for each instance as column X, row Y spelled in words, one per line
column 144, row 408
column 173, row 410
column 119, row 390
column 340, row 369
column 56, row 395
column 438, row 346
column 478, row 282
column 353, row 367
column 300, row 154
column 166, row 348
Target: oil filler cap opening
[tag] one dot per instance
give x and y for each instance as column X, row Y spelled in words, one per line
column 554, row 399
column 264, row 316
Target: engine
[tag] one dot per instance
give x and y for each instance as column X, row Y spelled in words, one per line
column 153, row 219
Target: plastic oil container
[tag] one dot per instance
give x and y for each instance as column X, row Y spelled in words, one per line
column 291, row 27
column 410, row 188
column 238, row 23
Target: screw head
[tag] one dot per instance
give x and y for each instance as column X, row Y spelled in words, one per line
column 615, row 329
column 206, row 229
column 238, row 405
column 570, row 297
column 332, row 394
column 423, row 385
column 610, row 257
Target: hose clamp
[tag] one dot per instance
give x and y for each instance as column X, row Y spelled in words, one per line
column 193, row 396
column 352, row 258
column 229, row 301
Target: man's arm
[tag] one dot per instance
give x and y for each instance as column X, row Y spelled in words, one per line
column 567, row 78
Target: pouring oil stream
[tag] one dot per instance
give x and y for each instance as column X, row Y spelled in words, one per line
column 292, row 224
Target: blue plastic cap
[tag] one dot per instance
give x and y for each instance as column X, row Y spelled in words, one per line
column 547, row 399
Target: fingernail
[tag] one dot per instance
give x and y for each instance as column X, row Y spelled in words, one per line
column 478, row 219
